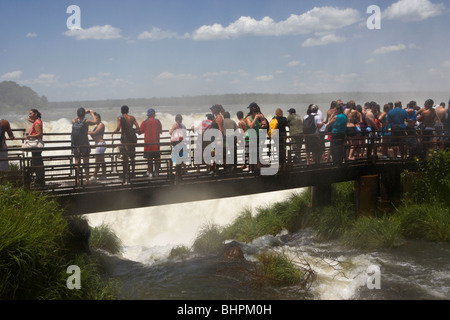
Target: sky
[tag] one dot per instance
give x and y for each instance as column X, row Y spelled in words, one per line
column 111, row 49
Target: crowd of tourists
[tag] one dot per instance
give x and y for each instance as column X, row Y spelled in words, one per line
column 353, row 131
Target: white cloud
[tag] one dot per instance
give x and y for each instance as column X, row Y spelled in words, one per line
column 221, row 73
column 316, row 20
column 31, row 35
column 14, row 75
column 264, row 78
column 323, row 40
column 413, row 10
column 157, row 34
column 105, row 32
column 446, row 64
column 46, row 79
column 388, row 49
column 171, row 76
column 293, row 63
column 92, row 81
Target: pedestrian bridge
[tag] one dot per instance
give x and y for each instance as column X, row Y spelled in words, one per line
column 375, row 170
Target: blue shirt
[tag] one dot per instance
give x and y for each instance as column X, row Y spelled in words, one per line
column 340, row 126
column 397, row 116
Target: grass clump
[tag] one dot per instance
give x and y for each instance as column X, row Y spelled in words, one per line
column 279, row 269
column 373, row 233
column 431, row 222
column 102, row 237
column 179, row 252
column 209, row 240
column 33, row 253
column 269, row 220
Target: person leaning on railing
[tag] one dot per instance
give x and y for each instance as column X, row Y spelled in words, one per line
column 4, row 128
column 36, row 132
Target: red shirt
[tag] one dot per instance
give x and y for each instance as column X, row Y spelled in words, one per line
column 32, row 130
column 152, row 130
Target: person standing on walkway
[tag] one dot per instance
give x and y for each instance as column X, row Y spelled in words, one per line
column 338, row 131
column 128, row 126
column 97, row 135
column 152, row 130
column 5, row 128
column 427, row 120
column 177, row 133
column 295, row 125
column 36, row 132
column 397, row 119
column 80, row 142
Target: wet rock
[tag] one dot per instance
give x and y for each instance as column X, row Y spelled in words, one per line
column 233, row 251
column 78, row 237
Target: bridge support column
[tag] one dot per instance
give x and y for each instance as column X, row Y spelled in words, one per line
column 321, row 195
column 391, row 185
column 366, row 195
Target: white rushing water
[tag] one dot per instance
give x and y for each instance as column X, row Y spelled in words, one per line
column 148, row 235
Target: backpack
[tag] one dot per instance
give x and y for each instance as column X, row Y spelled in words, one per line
column 79, row 136
column 273, row 124
column 309, row 125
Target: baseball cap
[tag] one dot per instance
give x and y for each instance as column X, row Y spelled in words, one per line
column 150, row 112
column 291, row 110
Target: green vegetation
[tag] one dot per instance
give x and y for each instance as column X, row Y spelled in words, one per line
column 432, row 184
column 209, row 240
column 34, row 255
column 269, row 220
column 279, row 269
column 103, row 238
column 179, row 252
column 16, row 97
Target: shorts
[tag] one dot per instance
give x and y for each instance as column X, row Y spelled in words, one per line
column 312, row 143
column 81, row 151
column 100, row 149
column 397, row 134
column 127, row 150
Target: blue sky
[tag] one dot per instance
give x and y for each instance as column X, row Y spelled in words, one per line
column 171, row 48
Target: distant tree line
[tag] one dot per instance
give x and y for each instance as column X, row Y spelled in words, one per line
column 16, row 97
column 322, row 99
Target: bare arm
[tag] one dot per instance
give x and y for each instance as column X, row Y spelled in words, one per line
column 118, row 125
column 99, row 128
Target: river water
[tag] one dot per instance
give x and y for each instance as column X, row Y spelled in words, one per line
column 414, row 270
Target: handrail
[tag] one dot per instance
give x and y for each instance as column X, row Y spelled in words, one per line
column 61, row 168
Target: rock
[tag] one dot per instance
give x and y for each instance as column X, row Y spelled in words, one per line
column 233, row 251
